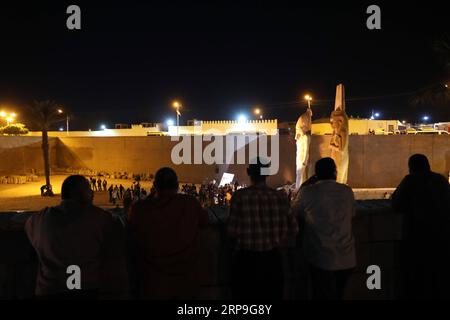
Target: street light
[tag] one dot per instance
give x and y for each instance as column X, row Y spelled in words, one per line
column 426, row 118
column 103, row 127
column 177, row 106
column 309, row 99
column 8, row 117
column 61, row 111
column 258, row 113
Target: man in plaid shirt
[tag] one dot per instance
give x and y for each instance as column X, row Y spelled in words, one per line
column 259, row 223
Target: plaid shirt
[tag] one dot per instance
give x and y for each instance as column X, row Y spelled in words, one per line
column 260, row 219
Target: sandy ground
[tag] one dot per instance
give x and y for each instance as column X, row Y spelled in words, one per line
column 27, row 197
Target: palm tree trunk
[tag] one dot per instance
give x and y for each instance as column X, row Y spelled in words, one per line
column 46, row 159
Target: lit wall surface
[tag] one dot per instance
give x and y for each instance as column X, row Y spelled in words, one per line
column 375, row 161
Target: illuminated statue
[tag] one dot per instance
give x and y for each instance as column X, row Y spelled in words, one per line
column 303, row 140
column 339, row 140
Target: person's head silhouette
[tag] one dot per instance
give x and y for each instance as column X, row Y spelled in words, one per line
column 166, row 180
column 418, row 164
column 76, row 188
column 326, row 169
column 254, row 171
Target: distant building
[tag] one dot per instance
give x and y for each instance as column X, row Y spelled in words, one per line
column 120, row 130
column 361, row 127
column 225, row 127
column 123, row 126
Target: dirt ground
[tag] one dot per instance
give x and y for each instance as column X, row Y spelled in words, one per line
column 27, row 197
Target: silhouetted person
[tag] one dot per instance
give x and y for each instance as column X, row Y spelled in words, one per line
column 72, row 233
column 326, row 210
column 127, row 200
column 99, row 184
column 121, row 192
column 115, row 195
column 110, row 192
column 424, row 199
column 163, row 240
column 93, row 183
column 46, row 190
column 259, row 224
column 105, row 184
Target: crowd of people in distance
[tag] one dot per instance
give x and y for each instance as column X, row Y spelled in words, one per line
column 210, row 194
column 162, row 233
column 118, row 193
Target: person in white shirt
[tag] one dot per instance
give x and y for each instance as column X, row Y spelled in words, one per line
column 326, row 210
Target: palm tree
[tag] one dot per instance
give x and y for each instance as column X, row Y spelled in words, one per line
column 437, row 93
column 44, row 114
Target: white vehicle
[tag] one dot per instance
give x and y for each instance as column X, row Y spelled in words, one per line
column 434, row 132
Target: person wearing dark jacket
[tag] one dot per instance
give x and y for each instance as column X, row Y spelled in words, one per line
column 164, row 246
column 423, row 197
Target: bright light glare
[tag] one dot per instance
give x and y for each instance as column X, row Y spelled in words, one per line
column 103, row 127
column 242, row 118
column 170, row 122
column 426, row 118
column 61, row 129
column 377, row 114
column 176, row 104
column 308, row 97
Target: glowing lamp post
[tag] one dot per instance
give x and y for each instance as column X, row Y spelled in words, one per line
column 258, row 113
column 9, row 118
column 61, row 111
column 309, row 99
column 177, row 107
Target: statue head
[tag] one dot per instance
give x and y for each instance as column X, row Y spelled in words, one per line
column 338, row 120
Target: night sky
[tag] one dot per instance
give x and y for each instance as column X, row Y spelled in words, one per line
column 131, row 59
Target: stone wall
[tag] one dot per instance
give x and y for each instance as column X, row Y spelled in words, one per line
column 23, row 155
column 375, row 161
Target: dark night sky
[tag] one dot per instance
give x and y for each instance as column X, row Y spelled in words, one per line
column 131, row 59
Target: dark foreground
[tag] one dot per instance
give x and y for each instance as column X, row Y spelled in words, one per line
column 377, row 231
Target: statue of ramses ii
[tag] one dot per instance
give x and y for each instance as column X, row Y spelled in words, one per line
column 303, row 140
column 339, row 139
